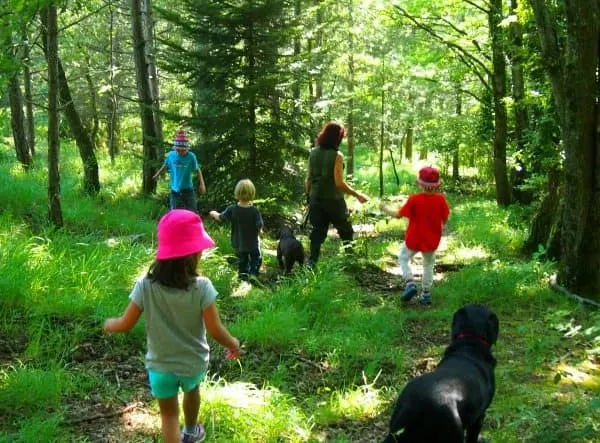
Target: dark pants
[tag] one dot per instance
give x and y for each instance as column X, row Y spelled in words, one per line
column 323, row 213
column 249, row 263
column 184, row 199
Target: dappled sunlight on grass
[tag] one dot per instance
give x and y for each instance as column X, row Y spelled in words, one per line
column 586, row 374
column 265, row 413
column 356, row 403
column 466, row 254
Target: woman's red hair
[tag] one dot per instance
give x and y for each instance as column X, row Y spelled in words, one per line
column 331, row 135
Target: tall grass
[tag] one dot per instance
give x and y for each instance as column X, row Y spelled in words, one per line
column 324, row 357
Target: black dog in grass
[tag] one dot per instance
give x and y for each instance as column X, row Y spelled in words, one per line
column 289, row 250
column 440, row 406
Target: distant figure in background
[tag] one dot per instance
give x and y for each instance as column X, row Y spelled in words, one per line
column 246, row 227
column 427, row 214
column 325, row 186
column 179, row 307
column 181, row 163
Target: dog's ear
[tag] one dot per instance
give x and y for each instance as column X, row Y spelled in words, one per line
column 460, row 320
column 493, row 328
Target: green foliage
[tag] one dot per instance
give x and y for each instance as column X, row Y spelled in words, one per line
column 238, row 74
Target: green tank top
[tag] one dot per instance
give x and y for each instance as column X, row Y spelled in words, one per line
column 321, row 163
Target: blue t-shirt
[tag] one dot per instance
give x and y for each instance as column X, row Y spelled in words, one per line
column 246, row 223
column 180, row 169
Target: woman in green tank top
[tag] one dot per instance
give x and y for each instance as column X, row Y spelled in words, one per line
column 325, row 186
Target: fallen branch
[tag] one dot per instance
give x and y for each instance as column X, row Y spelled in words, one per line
column 103, row 416
column 581, row 300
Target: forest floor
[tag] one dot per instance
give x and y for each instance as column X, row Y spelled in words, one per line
column 137, row 419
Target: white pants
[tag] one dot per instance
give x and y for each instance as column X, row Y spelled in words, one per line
column 405, row 257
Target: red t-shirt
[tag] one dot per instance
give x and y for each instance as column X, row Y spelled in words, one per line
column 427, row 213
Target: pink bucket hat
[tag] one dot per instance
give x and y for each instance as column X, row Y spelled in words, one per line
column 429, row 177
column 181, row 233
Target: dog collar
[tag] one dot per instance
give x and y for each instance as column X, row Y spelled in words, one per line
column 465, row 335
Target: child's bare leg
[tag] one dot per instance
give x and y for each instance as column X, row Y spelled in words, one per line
column 191, row 407
column 169, row 415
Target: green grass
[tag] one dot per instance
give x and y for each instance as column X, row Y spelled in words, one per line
column 324, row 357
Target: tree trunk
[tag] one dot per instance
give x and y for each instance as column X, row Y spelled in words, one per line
column 253, row 155
column 149, row 136
column 113, row 99
column 500, row 118
column 28, row 94
column 545, row 217
column 297, row 76
column 381, row 141
column 150, row 51
column 456, row 151
column 408, row 147
column 17, row 120
column 573, row 76
column 350, row 123
column 93, row 104
column 49, row 16
column 91, row 181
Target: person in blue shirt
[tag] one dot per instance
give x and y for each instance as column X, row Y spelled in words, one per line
column 181, row 163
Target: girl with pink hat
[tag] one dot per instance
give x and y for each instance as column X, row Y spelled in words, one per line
column 179, row 307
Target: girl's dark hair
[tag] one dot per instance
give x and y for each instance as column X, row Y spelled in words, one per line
column 331, row 136
column 174, row 272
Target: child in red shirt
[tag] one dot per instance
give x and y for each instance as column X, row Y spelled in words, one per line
column 427, row 213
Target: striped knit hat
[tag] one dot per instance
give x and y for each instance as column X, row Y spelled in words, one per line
column 181, row 141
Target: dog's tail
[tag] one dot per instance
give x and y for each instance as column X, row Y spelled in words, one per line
column 402, row 417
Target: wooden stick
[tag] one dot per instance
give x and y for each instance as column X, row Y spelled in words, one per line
column 581, row 300
column 105, row 415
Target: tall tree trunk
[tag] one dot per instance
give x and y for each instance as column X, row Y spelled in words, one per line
column 500, row 117
column 573, row 76
column 381, row 140
column 149, row 136
column 253, row 155
column 408, row 146
column 456, row 151
column 92, row 91
column 350, row 123
column 91, row 180
column 297, row 77
column 518, row 174
column 51, row 45
column 150, row 51
column 17, row 120
column 28, row 93
column 113, row 99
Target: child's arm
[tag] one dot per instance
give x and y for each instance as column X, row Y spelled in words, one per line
column 389, row 211
column 217, row 331
column 155, row 176
column 201, row 185
column 215, row 215
column 125, row 322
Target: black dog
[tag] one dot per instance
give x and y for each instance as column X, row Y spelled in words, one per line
column 440, row 406
column 289, row 250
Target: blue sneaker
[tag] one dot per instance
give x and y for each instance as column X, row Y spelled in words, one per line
column 198, row 435
column 409, row 292
column 425, row 298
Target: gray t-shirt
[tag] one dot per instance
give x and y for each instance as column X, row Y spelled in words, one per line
column 175, row 331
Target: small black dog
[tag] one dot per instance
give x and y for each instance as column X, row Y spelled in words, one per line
column 438, row 407
column 289, row 250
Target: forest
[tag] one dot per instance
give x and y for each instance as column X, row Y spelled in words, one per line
column 501, row 96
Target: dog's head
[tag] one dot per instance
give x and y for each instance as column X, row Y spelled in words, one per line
column 285, row 232
column 475, row 322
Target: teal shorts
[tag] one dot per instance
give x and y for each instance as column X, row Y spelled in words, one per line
column 166, row 384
